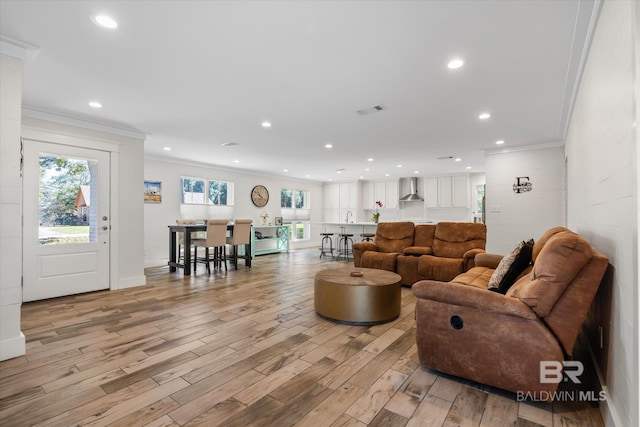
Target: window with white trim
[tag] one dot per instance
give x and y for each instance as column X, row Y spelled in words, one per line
column 294, row 207
column 201, row 191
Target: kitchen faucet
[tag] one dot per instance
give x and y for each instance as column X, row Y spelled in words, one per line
column 348, row 213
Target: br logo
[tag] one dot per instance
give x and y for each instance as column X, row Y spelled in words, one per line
column 552, row 371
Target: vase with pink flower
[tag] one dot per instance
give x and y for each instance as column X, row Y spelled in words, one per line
column 376, row 216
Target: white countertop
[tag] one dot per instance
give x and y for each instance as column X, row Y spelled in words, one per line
column 358, row 223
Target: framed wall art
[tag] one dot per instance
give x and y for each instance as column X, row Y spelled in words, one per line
column 152, row 191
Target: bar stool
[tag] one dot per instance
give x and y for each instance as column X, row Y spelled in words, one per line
column 367, row 237
column 326, row 240
column 343, row 246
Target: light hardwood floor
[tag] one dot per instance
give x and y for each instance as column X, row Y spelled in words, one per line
column 236, row 349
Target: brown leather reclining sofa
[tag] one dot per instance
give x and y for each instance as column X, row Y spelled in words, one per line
column 425, row 251
column 498, row 339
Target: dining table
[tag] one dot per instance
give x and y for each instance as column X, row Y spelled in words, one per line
column 187, row 230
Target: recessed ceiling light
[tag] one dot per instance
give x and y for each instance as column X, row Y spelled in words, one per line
column 386, row 174
column 285, row 170
column 105, row 21
column 95, row 104
column 361, row 177
column 236, row 161
column 416, row 171
column 266, row 124
column 468, row 167
column 370, row 159
column 499, row 142
column 457, row 159
column 484, row 116
column 328, row 145
column 455, row 63
column 399, row 166
column 367, row 169
column 307, row 176
column 166, row 148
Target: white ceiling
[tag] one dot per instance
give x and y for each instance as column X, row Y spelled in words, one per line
column 196, row 74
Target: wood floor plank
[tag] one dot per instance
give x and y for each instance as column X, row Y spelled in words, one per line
column 203, row 403
column 499, row 411
column 327, row 412
column 346, row 370
column 386, row 418
column 176, row 351
column 432, row 411
column 467, row 409
column 263, row 387
column 376, row 397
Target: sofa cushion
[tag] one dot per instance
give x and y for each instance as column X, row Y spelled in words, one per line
column 394, row 236
column 439, row 268
column 453, row 239
column 380, row 260
column 477, row 277
column 560, row 259
column 417, row 251
column 424, row 235
column 510, row 267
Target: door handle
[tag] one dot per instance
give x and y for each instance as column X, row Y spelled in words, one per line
column 105, row 228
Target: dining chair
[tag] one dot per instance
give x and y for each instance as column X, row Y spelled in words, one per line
column 241, row 236
column 216, row 238
column 181, row 235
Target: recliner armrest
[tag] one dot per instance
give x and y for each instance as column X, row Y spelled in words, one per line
column 469, row 257
column 471, row 297
column 487, row 260
column 365, row 246
column 417, row 250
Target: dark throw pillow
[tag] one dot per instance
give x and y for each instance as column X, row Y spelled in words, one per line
column 510, row 267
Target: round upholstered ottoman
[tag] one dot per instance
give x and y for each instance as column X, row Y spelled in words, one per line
column 357, row 296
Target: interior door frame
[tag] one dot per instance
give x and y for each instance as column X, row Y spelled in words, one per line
column 47, row 135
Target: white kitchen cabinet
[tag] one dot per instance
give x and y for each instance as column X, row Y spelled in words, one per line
column 447, row 192
column 348, row 195
column 385, row 192
column 338, row 200
column 431, row 192
column 444, row 192
column 459, row 191
column 368, row 195
column 391, row 194
column 331, row 196
column 380, row 193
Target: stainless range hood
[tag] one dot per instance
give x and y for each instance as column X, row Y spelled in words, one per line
column 413, row 195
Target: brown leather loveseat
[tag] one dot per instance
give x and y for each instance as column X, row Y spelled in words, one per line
column 425, row 251
column 466, row 330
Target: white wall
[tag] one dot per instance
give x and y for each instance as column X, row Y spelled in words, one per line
column 514, row 217
column 602, row 178
column 157, row 216
column 12, row 341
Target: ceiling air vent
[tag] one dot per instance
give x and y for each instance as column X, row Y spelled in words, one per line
column 369, row 110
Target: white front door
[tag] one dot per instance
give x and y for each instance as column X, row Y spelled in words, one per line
column 66, row 217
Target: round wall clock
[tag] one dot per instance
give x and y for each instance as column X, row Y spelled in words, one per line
column 259, row 195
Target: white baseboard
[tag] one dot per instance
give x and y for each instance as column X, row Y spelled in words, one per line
column 13, row 347
column 132, row 282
